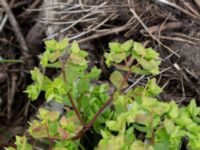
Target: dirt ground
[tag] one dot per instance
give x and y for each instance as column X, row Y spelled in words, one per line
column 170, row 27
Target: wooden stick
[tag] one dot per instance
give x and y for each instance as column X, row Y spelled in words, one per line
column 197, row 2
column 153, row 37
column 15, row 26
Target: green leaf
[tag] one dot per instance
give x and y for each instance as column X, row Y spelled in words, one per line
column 169, row 126
column 153, row 88
column 42, row 113
column 50, row 45
column 83, row 53
column 57, row 64
column 10, row 148
column 103, row 88
column 94, row 73
column 22, row 144
column 151, row 54
column 53, row 52
column 83, row 85
column 49, row 94
column 141, row 118
column 61, row 45
column 66, row 145
column 38, row 130
column 53, row 127
column 139, row 145
column 73, row 72
column 139, row 49
column 33, row 91
column 114, row 142
column 54, row 56
column 115, row 47
column 164, row 145
column 129, row 136
column 174, row 111
column 139, row 71
column 193, row 109
column 75, row 48
column 117, row 78
column 126, row 46
column 138, row 93
column 63, row 121
column 36, row 75
column 119, row 124
column 44, row 58
column 63, row 134
column 53, row 115
column 151, row 66
column 149, row 102
column 105, row 134
column 114, row 57
column 77, row 60
column 184, row 121
column 120, row 103
column 46, row 83
column 161, row 108
column 112, row 125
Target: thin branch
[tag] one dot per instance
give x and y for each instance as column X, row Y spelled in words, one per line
column 134, row 83
column 8, row 145
column 75, row 109
column 108, row 32
column 145, row 27
column 101, row 110
column 89, row 125
column 70, row 97
column 93, row 11
column 15, row 26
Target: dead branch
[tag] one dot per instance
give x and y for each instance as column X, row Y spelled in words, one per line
column 16, row 27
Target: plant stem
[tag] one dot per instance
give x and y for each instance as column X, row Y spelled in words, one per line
column 75, row 109
column 152, row 129
column 125, row 79
column 8, row 145
column 88, row 126
column 105, row 105
column 70, row 97
column 11, row 61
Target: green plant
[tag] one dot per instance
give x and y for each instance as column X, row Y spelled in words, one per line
column 160, row 125
column 137, row 120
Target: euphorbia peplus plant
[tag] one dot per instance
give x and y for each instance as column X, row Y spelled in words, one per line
column 137, row 120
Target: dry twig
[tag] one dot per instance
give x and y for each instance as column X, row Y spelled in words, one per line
column 16, row 27
column 155, row 38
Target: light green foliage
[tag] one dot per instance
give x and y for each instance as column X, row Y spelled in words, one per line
column 117, row 79
column 87, row 97
column 66, row 145
column 53, row 51
column 147, row 59
column 153, row 89
column 137, row 120
column 21, row 144
column 35, row 89
column 164, row 123
column 51, row 125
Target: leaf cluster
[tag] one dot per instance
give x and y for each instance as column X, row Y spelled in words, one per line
column 137, row 118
